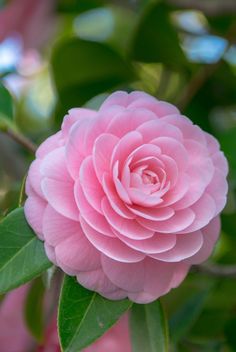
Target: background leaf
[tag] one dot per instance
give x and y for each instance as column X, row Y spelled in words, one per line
column 83, row 69
column 34, row 309
column 184, row 318
column 84, row 315
column 6, row 102
column 149, row 331
column 156, row 40
column 22, row 255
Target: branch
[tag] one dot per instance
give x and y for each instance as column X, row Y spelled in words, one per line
column 209, row 7
column 216, row 270
column 20, row 139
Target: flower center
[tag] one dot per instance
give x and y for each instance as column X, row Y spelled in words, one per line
column 149, row 177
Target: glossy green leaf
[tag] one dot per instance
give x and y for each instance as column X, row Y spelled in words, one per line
column 6, row 102
column 33, row 311
column 83, row 69
column 187, row 314
column 84, row 315
column 156, row 40
column 149, row 330
column 22, row 255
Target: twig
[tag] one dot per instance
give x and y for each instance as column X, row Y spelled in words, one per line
column 20, row 139
column 216, row 270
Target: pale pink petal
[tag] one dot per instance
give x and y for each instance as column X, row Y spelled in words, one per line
column 90, row 215
column 158, row 243
column 75, row 149
column 153, row 289
column 129, row 228
column 73, row 116
column 178, row 222
column 92, row 189
column 212, row 143
column 178, row 191
column 129, row 120
column 34, row 210
column 174, row 150
column 34, row 177
column 154, row 214
column 120, row 188
column 210, row 235
column 50, row 252
column 57, row 227
column 49, row 145
column 53, row 166
column 204, row 210
column 160, row 108
column 157, row 128
column 127, row 276
column 186, row 246
column 140, row 198
column 218, row 189
column 181, row 271
column 125, row 146
column 102, row 151
column 187, row 128
column 220, row 162
column 77, row 253
column 118, row 98
column 60, row 195
column 114, row 248
column 116, row 203
column 96, row 280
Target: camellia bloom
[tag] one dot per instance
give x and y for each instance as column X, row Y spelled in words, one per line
column 127, row 198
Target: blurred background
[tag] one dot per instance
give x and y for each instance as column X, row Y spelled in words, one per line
column 59, row 54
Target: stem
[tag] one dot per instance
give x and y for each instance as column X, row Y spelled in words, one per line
column 20, row 139
column 216, row 270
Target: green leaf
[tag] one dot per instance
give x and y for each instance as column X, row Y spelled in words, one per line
column 84, row 315
column 185, row 317
column 34, row 309
column 22, row 255
column 83, row 69
column 149, row 330
column 6, row 102
column 156, row 40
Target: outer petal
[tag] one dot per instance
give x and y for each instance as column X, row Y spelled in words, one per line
column 34, row 210
column 186, row 246
column 60, row 195
column 210, row 235
column 57, row 227
column 113, row 247
column 127, row 276
column 77, row 253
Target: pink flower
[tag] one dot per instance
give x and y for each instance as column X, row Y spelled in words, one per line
column 127, row 198
column 14, row 336
column 31, row 19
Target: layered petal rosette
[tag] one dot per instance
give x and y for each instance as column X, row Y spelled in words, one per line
column 127, row 198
